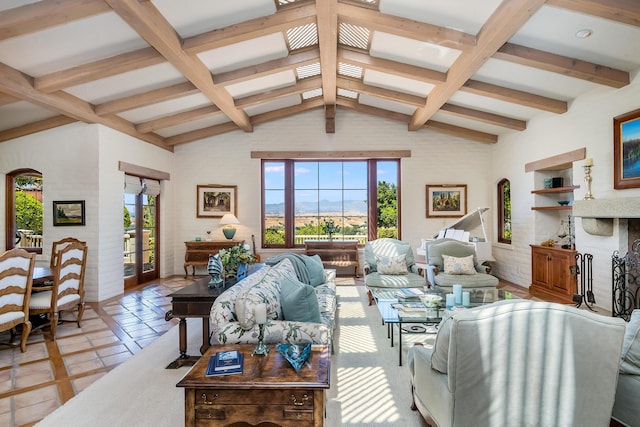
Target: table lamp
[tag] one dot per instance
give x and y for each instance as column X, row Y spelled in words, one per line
column 229, row 230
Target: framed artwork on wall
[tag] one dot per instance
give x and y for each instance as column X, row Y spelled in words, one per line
column 446, row 200
column 214, row 201
column 626, row 150
column 68, row 213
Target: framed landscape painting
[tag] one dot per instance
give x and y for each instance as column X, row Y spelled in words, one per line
column 214, row 201
column 626, row 150
column 446, row 200
column 68, row 213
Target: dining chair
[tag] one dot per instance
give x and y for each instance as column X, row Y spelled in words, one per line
column 67, row 290
column 16, row 276
column 56, row 246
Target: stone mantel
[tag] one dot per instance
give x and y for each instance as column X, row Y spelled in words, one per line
column 598, row 214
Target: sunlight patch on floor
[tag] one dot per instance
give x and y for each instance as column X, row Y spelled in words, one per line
column 365, row 396
column 356, row 339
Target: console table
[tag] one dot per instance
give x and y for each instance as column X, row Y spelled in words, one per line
column 334, row 253
column 197, row 253
column 268, row 391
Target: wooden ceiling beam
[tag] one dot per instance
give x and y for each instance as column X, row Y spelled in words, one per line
column 623, row 11
column 373, row 111
column 45, row 14
column 328, row 43
column 484, row 117
column 514, row 96
column 562, row 65
column 306, row 105
column 102, row 68
column 500, row 27
column 302, row 86
column 292, row 17
column 146, row 98
column 147, row 21
column 376, row 21
column 34, row 127
column 6, row 99
column 290, row 62
column 461, row 132
column 203, row 133
column 356, row 85
column 19, row 85
column 177, row 119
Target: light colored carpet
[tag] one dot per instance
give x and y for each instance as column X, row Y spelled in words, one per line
column 368, row 388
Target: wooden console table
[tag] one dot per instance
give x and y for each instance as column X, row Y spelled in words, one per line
column 197, row 253
column 335, row 253
column 268, row 391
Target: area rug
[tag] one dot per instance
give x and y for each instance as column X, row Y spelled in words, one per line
column 368, row 388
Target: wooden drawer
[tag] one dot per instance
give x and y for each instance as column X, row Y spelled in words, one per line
column 277, row 414
column 293, row 398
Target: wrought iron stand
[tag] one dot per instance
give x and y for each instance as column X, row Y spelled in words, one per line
column 625, row 286
column 584, row 269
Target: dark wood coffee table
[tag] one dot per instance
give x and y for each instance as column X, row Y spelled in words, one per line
column 268, row 391
column 195, row 300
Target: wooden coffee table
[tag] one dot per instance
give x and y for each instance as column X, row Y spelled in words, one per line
column 269, row 390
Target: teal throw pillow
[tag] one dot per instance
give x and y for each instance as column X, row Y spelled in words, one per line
column 299, row 301
column 315, row 268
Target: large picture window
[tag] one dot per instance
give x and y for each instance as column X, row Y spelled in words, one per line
column 325, row 200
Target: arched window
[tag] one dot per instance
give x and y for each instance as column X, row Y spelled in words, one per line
column 24, row 210
column 504, row 211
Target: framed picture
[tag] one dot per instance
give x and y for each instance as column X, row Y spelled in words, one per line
column 446, row 200
column 626, row 150
column 216, row 200
column 68, row 212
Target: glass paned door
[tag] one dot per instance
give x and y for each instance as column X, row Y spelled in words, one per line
column 140, row 238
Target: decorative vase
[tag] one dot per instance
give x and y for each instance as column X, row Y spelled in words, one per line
column 241, row 272
column 216, row 271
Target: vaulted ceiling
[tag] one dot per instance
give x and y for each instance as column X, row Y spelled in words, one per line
column 174, row 71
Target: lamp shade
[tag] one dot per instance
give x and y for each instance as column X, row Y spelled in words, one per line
column 229, row 219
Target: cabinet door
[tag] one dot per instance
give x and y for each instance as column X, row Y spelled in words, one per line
column 540, row 267
column 561, row 278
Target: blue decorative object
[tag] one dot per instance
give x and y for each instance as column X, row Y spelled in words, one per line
column 215, row 270
column 296, row 353
column 241, row 273
column 563, row 202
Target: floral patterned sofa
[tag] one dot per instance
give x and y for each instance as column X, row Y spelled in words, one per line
column 290, row 306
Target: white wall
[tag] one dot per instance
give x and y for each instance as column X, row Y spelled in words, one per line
column 436, row 159
column 588, row 123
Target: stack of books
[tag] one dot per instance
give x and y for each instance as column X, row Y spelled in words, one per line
column 225, row 363
column 410, row 309
column 408, row 294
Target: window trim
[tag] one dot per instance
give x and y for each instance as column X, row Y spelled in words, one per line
column 10, row 204
column 501, row 209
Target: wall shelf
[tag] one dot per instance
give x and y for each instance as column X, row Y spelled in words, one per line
column 552, row 208
column 568, row 189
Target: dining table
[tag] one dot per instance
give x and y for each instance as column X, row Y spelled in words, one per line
column 42, row 275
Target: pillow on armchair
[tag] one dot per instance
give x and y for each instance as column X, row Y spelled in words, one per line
column 392, row 264
column 455, row 265
column 387, row 247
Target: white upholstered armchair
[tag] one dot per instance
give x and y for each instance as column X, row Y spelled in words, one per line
column 519, row 363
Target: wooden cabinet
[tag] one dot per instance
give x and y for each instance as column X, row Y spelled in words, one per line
column 334, row 253
column 197, row 253
column 551, row 272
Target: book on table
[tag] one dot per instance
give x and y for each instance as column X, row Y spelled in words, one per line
column 225, row 363
column 410, row 307
column 408, row 293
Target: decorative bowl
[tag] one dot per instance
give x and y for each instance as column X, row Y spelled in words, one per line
column 430, row 300
column 563, row 202
column 296, row 353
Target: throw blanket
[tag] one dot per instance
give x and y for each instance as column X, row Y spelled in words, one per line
column 298, row 264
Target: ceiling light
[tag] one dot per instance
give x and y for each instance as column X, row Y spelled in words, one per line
column 583, row 34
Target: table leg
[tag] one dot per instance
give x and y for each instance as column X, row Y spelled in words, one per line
column 184, row 359
column 400, row 344
column 206, row 343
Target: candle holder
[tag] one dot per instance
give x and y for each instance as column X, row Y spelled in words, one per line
column 261, row 349
column 587, row 180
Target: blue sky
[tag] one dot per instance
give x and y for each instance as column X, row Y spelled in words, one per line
column 631, row 130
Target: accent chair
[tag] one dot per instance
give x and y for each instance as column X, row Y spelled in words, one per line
column 16, row 278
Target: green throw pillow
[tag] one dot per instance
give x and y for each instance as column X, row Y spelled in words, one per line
column 315, row 268
column 299, row 301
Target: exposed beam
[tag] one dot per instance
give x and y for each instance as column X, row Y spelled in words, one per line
column 563, row 65
column 330, row 118
column 19, row 85
column 484, row 117
column 102, row 68
column 624, row 11
column 46, row 13
column 176, row 119
column 376, row 21
column 290, row 62
column 270, row 116
column 147, row 98
column 500, row 27
column 203, row 133
column 373, row 111
column 6, row 99
column 34, row 127
column 328, row 43
column 305, row 85
column 514, row 96
column 145, row 19
column 280, row 21
column 356, row 85
column 461, row 132
column 366, row 154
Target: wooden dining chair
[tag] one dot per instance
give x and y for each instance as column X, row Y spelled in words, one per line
column 16, row 276
column 67, row 290
column 56, row 246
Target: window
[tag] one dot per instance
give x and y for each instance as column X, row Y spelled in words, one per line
column 24, row 210
column 324, row 200
column 504, row 211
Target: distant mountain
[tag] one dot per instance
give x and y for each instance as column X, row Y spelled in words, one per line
column 357, row 206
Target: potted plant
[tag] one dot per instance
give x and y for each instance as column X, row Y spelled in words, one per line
column 235, row 261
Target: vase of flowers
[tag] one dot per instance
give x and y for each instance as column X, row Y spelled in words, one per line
column 235, row 261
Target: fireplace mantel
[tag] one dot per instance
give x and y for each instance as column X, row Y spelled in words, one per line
column 598, row 214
